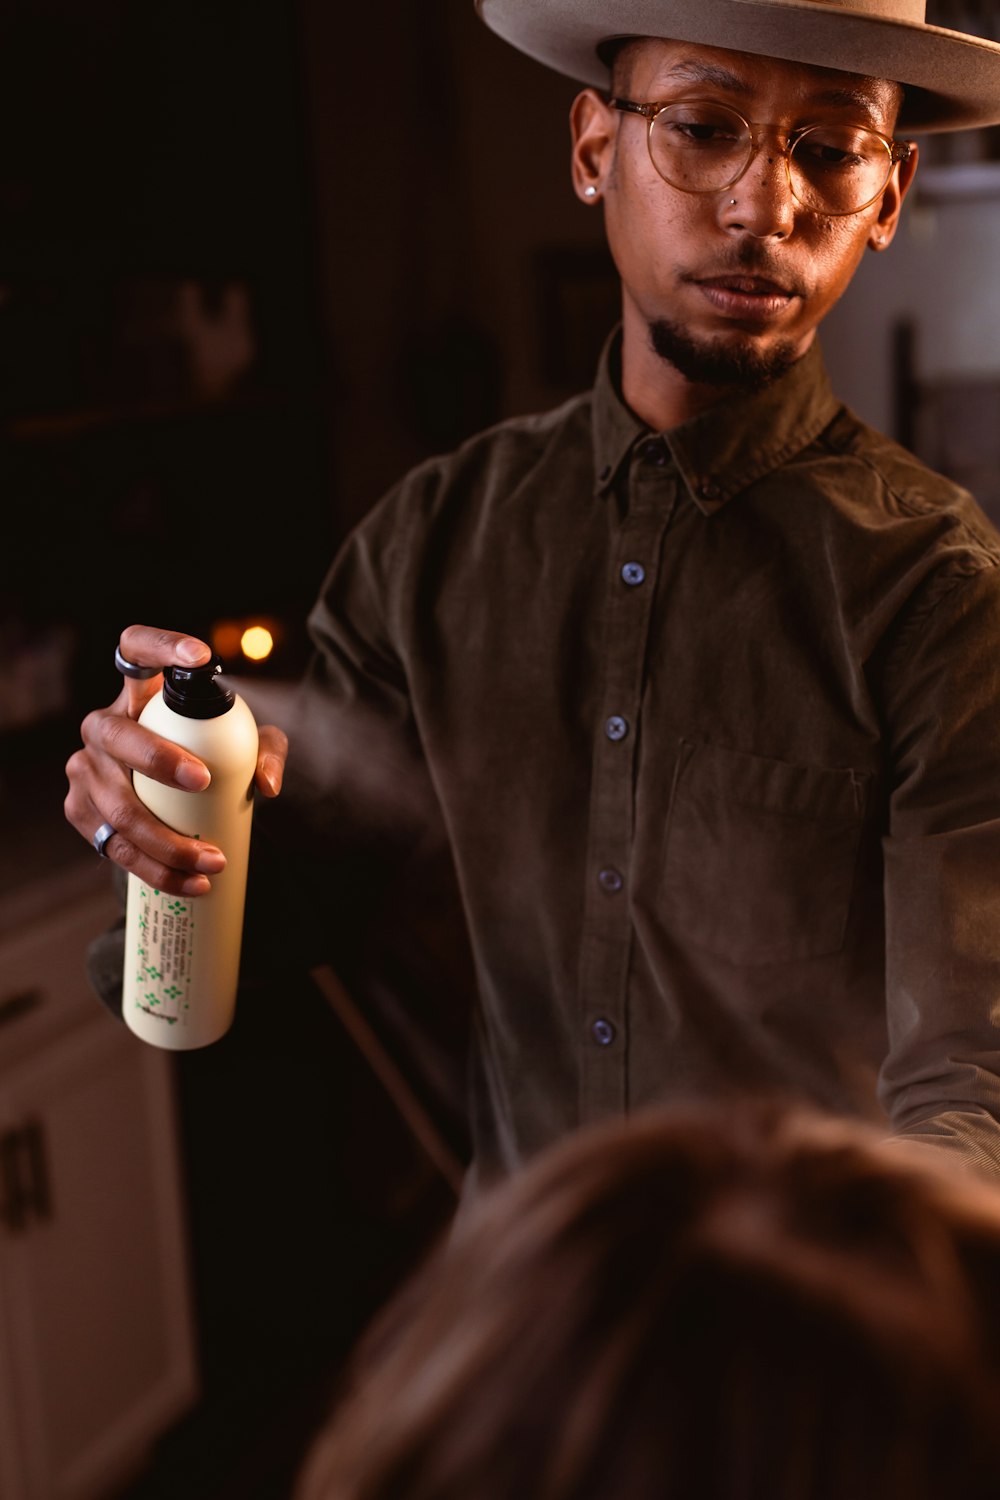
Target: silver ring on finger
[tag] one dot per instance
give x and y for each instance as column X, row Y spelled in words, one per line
column 131, row 668
column 100, row 840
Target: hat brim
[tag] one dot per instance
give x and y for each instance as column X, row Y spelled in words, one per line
column 951, row 79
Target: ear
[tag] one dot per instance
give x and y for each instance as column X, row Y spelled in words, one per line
column 884, row 227
column 593, row 128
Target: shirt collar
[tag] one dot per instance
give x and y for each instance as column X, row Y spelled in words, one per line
column 726, row 449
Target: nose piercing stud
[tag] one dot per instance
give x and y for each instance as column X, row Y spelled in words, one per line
column 732, row 202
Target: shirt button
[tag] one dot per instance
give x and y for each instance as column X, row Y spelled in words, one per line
column 616, row 728
column 603, row 1032
column 605, row 473
column 653, row 451
column 710, row 490
column 610, row 880
column 633, row 573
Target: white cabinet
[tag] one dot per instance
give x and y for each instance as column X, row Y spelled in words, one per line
column 96, row 1336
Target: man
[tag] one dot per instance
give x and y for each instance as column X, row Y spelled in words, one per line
column 694, row 678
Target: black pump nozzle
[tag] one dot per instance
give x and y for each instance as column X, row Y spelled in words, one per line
column 196, row 692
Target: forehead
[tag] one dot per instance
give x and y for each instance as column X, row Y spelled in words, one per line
column 657, row 67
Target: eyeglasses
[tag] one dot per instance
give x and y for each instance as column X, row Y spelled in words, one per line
column 700, row 146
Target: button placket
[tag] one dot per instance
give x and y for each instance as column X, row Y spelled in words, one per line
column 606, row 946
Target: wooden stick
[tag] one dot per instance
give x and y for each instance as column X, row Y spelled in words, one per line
column 400, row 1092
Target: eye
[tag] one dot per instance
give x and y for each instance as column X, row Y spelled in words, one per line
column 699, row 127
column 823, row 155
column 842, row 150
column 698, row 132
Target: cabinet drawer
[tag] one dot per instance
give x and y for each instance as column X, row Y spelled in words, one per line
column 98, row 1352
column 45, row 930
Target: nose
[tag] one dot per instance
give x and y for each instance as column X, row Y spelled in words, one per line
column 760, row 202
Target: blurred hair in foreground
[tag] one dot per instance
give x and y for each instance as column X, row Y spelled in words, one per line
column 759, row 1304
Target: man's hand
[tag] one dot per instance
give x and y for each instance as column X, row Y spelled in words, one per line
column 114, row 745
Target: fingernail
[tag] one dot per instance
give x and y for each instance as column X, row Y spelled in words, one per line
column 191, row 650
column 195, row 885
column 193, row 776
column 210, row 861
column 272, row 770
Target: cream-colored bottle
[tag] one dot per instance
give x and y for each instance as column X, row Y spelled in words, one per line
column 182, row 953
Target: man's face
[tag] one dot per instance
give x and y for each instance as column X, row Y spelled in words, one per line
column 730, row 292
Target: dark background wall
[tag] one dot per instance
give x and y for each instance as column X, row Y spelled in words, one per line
column 256, row 259
column 482, row 286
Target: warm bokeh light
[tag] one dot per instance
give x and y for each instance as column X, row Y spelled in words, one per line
column 257, row 642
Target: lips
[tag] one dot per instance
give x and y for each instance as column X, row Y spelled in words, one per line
column 754, row 286
column 748, row 297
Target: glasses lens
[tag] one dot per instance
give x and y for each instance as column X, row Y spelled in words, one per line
column 699, row 147
column 839, row 169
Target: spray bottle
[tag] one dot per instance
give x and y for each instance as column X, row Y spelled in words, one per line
column 182, row 953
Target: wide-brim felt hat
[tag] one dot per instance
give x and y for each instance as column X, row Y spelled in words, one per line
column 951, row 78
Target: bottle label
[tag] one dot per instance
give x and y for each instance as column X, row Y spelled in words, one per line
column 164, row 956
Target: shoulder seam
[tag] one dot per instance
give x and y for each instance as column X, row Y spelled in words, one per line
column 912, row 506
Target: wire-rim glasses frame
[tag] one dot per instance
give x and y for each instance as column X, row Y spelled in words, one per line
column 895, row 150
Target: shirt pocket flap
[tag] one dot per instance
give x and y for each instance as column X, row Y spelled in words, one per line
column 760, row 854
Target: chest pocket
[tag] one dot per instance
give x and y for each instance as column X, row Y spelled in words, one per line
column 761, row 854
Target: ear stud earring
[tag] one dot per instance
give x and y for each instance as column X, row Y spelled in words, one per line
column 590, row 192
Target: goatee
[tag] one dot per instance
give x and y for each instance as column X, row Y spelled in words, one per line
column 718, row 364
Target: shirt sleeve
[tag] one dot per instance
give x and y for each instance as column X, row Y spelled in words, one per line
column 940, row 1083
column 354, row 868
column 357, row 805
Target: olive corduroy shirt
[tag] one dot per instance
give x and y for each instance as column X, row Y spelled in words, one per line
column 710, row 723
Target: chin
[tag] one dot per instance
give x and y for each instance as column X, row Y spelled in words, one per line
column 737, row 360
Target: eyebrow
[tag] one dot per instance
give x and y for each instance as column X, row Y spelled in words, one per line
column 705, row 72
column 837, row 96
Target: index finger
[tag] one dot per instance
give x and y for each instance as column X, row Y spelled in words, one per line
column 147, row 651
column 147, row 646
